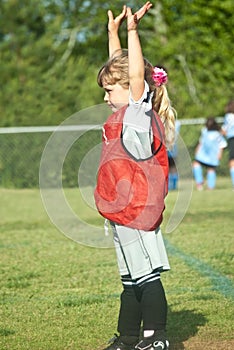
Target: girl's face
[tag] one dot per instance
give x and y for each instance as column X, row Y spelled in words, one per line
column 116, row 96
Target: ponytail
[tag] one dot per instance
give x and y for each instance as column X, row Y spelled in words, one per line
column 162, row 105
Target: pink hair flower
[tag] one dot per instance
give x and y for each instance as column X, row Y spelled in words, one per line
column 159, row 76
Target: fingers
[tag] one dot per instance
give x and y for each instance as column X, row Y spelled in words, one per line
column 148, row 5
column 119, row 17
column 110, row 15
column 127, row 12
column 145, row 8
column 142, row 11
column 123, row 13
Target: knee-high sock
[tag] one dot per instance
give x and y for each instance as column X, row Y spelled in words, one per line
column 197, row 172
column 154, row 306
column 172, row 181
column 130, row 312
column 232, row 175
column 211, row 179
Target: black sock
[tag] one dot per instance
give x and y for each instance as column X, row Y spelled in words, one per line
column 154, row 306
column 130, row 313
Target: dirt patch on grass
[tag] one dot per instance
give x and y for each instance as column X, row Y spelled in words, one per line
column 206, row 345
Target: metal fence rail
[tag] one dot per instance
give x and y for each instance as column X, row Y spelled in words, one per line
column 21, row 149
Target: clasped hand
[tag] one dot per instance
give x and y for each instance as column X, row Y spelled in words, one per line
column 132, row 19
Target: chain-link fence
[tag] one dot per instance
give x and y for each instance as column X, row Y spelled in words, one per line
column 21, row 151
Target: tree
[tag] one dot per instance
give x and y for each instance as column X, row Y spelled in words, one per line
column 51, row 52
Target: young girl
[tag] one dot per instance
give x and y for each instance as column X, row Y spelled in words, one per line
column 208, row 153
column 132, row 182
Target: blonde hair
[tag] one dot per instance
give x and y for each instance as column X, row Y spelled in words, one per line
column 116, row 71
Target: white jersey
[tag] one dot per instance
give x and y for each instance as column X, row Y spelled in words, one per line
column 139, row 252
column 137, row 136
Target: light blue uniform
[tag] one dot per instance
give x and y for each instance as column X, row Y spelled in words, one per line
column 228, row 125
column 228, row 128
column 210, row 144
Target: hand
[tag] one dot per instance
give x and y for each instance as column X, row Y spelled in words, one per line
column 133, row 19
column 114, row 23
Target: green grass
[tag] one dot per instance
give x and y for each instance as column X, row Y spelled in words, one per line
column 56, row 294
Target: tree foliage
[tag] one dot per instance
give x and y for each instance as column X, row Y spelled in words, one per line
column 51, row 51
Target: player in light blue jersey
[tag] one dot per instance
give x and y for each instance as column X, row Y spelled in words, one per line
column 228, row 131
column 208, row 154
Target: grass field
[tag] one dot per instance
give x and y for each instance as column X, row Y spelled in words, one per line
column 56, row 294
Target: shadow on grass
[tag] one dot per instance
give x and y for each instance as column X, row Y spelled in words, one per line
column 5, row 332
column 183, row 325
column 210, row 215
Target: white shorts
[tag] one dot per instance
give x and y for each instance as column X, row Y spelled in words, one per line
column 139, row 252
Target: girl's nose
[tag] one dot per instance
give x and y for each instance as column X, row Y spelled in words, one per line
column 106, row 97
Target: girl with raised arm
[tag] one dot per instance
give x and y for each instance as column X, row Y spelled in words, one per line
column 132, row 182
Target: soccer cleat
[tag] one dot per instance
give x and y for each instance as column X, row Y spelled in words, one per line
column 116, row 343
column 155, row 345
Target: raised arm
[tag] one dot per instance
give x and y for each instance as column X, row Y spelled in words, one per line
column 135, row 56
column 113, row 28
